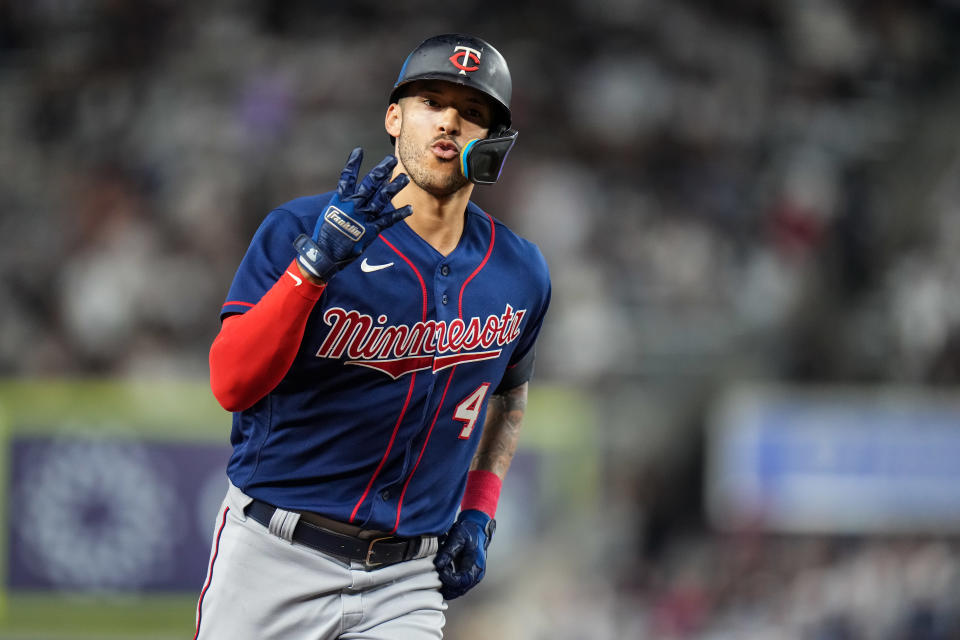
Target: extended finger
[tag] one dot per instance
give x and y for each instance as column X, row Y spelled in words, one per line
column 385, row 194
column 372, row 181
column 393, row 217
column 348, row 177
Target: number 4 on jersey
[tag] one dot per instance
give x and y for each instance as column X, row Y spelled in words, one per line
column 469, row 410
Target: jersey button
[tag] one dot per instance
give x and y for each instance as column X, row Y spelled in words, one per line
column 444, row 299
column 385, row 494
column 444, row 270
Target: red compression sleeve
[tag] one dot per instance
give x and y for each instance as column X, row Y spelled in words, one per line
column 254, row 350
column 482, row 492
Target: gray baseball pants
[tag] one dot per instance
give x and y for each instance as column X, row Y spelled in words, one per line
column 261, row 586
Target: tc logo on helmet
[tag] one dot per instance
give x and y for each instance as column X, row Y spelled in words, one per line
column 461, row 60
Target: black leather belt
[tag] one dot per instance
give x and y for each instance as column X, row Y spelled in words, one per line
column 373, row 552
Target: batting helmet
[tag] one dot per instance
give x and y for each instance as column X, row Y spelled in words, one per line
column 472, row 62
column 465, row 60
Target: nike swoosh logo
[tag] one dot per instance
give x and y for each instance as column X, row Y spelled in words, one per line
column 366, row 267
column 297, row 281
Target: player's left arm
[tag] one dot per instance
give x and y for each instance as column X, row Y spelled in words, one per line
column 501, row 432
column 461, row 561
column 462, row 558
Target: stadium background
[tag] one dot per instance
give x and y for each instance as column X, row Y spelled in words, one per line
column 743, row 203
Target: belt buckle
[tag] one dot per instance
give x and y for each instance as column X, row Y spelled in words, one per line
column 368, row 561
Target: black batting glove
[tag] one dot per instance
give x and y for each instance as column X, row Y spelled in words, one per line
column 462, row 559
column 354, row 218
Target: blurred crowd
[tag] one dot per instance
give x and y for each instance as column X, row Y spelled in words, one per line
column 744, row 588
column 763, row 186
column 745, row 189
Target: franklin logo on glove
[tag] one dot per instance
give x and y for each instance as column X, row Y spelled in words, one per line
column 344, row 223
column 352, row 211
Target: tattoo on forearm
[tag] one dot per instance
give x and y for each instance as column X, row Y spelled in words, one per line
column 501, row 431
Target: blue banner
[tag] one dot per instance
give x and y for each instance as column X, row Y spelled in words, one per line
column 106, row 514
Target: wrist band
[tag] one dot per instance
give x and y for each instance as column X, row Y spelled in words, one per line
column 313, row 259
column 482, row 492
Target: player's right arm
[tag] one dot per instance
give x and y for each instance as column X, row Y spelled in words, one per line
column 255, row 349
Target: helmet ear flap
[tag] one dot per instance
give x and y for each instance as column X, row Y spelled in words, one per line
column 481, row 161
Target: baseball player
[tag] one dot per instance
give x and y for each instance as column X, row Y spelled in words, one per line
column 375, row 350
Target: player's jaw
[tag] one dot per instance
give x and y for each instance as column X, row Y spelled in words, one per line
column 434, row 166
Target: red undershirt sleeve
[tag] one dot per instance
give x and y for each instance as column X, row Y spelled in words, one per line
column 254, row 350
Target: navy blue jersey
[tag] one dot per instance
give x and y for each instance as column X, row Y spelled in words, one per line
column 379, row 416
